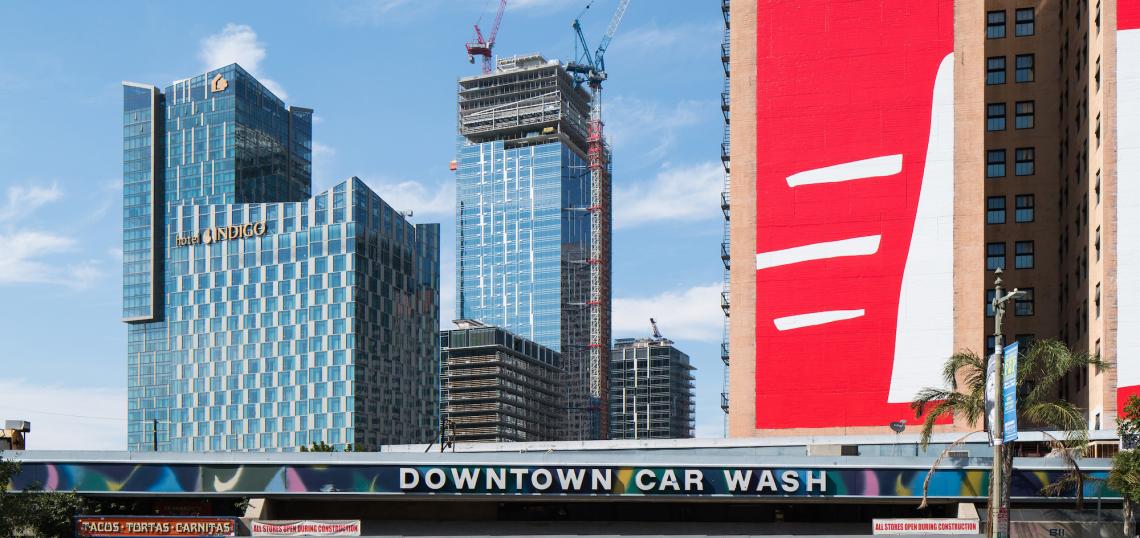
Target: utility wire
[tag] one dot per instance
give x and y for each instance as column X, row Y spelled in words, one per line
column 27, row 410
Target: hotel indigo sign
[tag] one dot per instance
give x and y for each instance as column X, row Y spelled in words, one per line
column 221, row 233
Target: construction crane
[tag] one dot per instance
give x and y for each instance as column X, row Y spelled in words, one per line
column 481, row 47
column 656, row 333
column 591, row 69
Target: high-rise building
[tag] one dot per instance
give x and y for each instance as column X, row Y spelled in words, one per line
column 496, row 386
column 878, row 182
column 261, row 317
column 523, row 232
column 651, row 390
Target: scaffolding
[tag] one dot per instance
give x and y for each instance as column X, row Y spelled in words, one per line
column 725, row 199
column 526, row 100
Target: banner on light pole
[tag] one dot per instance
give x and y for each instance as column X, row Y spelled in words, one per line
column 991, row 398
column 1009, row 392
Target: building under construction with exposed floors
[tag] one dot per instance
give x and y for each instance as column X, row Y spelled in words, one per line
column 526, row 259
column 496, row 386
column 651, row 390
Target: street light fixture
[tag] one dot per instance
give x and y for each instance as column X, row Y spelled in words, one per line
column 996, row 422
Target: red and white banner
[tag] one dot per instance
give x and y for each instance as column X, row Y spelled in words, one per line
column 854, row 192
column 1127, row 200
column 925, row 527
column 341, row 527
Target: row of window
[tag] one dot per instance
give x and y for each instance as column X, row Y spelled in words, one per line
column 996, row 72
column 1023, row 113
column 1023, row 162
column 1024, row 205
column 1022, row 259
column 1023, row 27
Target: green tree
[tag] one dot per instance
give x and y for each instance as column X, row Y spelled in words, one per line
column 1125, row 474
column 320, row 446
column 1040, row 371
column 45, row 513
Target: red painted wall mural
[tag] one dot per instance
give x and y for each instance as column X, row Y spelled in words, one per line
column 854, row 305
column 1127, row 200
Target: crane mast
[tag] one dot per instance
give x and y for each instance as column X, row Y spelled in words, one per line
column 590, row 69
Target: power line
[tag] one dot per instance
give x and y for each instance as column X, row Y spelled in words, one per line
column 27, row 410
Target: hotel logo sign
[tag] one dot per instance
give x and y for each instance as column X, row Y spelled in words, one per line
column 221, row 233
column 219, row 84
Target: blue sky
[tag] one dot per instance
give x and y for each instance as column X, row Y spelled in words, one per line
column 381, row 76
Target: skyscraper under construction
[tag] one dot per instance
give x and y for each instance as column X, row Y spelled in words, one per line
column 523, row 234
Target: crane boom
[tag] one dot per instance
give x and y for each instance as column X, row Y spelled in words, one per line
column 495, row 26
column 609, row 35
column 483, row 47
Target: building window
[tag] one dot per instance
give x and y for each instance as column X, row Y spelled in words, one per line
column 1023, row 162
column 1023, row 112
column 1097, row 243
column 1097, row 76
column 1097, row 187
column 1023, row 254
column 1023, row 208
column 1097, row 129
column 990, row 303
column 995, row 163
column 1096, row 299
column 1023, row 342
column 995, row 117
column 1023, row 19
column 995, row 24
column 995, row 256
column 995, row 210
column 991, row 345
column 995, row 70
column 1024, row 68
column 1023, row 305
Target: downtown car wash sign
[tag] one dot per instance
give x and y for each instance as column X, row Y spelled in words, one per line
column 120, row 526
column 609, row 480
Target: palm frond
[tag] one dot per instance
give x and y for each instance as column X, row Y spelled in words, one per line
column 937, row 462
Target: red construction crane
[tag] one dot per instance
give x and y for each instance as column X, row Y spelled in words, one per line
column 479, row 47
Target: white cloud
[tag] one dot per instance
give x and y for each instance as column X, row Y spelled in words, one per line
column 677, row 194
column 22, row 200
column 639, row 126
column 684, row 314
column 651, row 37
column 405, row 195
column 28, row 259
column 238, row 43
column 67, row 418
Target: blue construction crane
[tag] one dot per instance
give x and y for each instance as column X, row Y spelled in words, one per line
column 591, row 68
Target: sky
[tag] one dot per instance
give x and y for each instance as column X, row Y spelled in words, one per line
column 381, row 77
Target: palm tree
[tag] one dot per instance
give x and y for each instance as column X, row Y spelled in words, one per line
column 1040, row 371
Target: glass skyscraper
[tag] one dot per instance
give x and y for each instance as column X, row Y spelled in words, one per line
column 261, row 317
column 523, row 222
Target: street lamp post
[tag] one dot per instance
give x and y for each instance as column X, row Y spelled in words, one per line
column 997, row 421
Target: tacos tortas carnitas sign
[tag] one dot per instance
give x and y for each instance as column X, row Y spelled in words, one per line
column 221, row 233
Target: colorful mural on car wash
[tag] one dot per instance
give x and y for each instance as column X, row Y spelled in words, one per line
column 415, row 478
column 854, row 192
